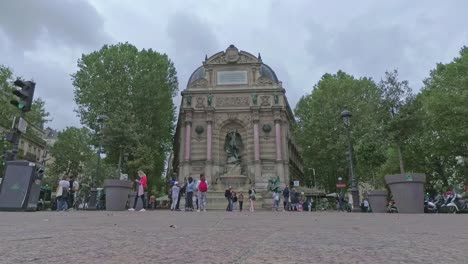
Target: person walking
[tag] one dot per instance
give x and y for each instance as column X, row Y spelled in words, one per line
column 141, row 186
column 175, row 195
column 240, row 199
column 202, row 190
column 62, row 194
column 189, row 195
column 252, row 198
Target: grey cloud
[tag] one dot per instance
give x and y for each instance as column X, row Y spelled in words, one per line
column 67, row 22
column 411, row 38
column 191, row 40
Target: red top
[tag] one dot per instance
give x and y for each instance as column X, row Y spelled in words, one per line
column 143, row 181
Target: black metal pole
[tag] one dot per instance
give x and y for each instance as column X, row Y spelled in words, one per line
column 354, row 185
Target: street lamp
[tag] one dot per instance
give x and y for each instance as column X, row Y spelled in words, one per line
column 101, row 119
column 346, row 116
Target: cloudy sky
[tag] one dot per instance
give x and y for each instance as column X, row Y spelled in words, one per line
column 300, row 40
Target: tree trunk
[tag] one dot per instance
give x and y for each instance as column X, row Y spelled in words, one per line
column 400, row 158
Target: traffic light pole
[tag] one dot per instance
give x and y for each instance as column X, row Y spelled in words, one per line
column 16, row 137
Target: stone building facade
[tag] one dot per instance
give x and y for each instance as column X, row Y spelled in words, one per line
column 235, row 125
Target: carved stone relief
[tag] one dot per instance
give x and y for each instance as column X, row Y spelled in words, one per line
column 265, row 100
column 232, row 101
column 200, row 83
column 200, row 102
column 263, row 81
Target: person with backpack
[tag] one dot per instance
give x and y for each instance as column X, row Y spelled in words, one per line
column 142, row 185
column 62, row 193
column 202, row 190
column 74, row 187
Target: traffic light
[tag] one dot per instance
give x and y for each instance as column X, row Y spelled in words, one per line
column 25, row 95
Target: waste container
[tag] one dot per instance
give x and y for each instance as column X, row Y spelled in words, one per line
column 116, row 194
column 408, row 191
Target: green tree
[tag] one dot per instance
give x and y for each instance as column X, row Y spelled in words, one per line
column 396, row 100
column 444, row 137
column 321, row 133
column 70, row 152
column 134, row 88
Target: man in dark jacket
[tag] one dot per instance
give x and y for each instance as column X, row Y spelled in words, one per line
column 228, row 196
column 286, row 198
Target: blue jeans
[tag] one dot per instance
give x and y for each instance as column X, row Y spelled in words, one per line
column 277, row 204
column 62, row 204
column 142, row 199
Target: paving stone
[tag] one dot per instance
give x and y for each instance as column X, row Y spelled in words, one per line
column 231, row 237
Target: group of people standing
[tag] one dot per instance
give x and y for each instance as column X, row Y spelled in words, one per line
column 65, row 193
column 233, row 198
column 192, row 188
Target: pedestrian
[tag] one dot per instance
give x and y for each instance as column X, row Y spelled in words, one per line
column 234, row 200
column 175, row 195
column 189, row 196
column 62, row 194
column 252, row 198
column 202, row 191
column 276, row 200
column 181, row 193
column 74, row 187
column 228, row 196
column 286, row 198
column 152, row 202
column 141, row 186
column 241, row 201
column 195, row 193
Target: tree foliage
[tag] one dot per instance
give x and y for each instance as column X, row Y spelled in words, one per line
column 70, row 152
column 322, row 135
column 134, row 89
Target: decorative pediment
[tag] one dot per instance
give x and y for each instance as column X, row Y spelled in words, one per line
column 232, row 56
column 200, row 83
column 264, row 81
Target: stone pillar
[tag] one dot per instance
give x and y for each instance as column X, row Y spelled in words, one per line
column 278, row 139
column 187, row 143
column 278, row 142
column 256, row 133
column 209, row 145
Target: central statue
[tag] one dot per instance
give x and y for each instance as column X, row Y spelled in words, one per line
column 232, row 146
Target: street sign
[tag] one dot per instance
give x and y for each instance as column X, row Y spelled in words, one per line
column 22, row 125
column 296, row 183
column 340, row 185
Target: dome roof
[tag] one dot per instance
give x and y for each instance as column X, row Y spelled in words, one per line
column 267, row 72
column 198, row 74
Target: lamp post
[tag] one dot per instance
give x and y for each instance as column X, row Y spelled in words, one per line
column 101, row 119
column 346, row 116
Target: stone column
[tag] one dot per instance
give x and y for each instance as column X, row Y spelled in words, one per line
column 187, row 143
column 209, row 145
column 278, row 142
column 256, row 133
column 278, row 139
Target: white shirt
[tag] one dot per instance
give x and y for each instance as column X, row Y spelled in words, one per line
column 64, row 184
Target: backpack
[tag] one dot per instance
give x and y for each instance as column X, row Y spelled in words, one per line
column 64, row 192
column 203, row 187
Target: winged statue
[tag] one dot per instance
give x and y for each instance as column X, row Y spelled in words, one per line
column 232, row 146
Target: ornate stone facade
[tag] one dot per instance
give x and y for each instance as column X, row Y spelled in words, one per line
column 238, row 129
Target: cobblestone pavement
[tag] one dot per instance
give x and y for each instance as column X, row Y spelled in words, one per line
column 231, row 237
